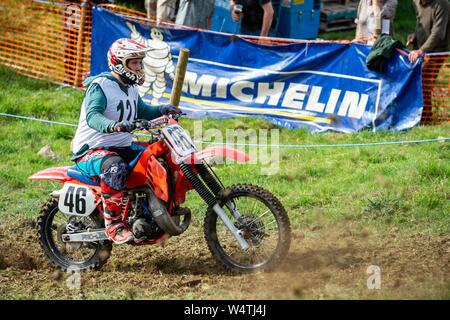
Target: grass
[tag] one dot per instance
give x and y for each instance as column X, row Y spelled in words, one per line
column 334, row 197
column 382, row 186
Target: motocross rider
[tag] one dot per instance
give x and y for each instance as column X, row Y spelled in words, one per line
column 103, row 143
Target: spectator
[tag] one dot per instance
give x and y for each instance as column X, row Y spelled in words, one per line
column 257, row 16
column 432, row 34
column 150, row 6
column 162, row 9
column 368, row 10
column 195, row 13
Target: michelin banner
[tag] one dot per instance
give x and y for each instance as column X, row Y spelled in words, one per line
column 317, row 85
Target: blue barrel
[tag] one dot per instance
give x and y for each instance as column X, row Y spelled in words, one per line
column 222, row 21
column 299, row 19
column 295, row 19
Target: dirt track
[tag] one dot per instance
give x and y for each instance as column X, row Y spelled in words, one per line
column 323, row 263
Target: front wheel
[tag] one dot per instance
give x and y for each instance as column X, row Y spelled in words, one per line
column 261, row 220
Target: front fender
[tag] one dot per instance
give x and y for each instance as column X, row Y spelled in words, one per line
column 220, row 151
column 54, row 173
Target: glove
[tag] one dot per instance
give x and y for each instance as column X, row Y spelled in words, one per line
column 169, row 108
column 124, row 126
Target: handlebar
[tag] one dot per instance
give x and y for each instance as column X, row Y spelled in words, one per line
column 142, row 124
column 150, row 124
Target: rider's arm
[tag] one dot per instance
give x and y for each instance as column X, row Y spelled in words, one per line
column 146, row 111
column 95, row 104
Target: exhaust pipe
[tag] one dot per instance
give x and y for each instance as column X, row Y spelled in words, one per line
column 163, row 218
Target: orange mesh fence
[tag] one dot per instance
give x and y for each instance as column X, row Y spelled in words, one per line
column 436, row 88
column 45, row 40
column 51, row 41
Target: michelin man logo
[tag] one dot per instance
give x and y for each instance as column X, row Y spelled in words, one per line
column 157, row 63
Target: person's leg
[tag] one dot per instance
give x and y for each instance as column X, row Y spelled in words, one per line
column 150, row 6
column 112, row 171
column 113, row 180
column 166, row 10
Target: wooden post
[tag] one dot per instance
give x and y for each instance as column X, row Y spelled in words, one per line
column 179, row 77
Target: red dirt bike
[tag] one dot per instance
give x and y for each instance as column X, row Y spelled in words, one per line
column 246, row 227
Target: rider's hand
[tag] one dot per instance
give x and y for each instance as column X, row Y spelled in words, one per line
column 123, row 126
column 165, row 109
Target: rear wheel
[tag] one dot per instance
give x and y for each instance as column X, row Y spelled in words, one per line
column 262, row 222
column 70, row 256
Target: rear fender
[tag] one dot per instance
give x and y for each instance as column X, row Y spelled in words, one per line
column 54, row 173
column 75, row 198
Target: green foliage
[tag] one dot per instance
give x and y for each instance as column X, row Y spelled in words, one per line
column 137, row 5
column 405, row 20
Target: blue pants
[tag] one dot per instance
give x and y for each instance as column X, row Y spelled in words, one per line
column 110, row 164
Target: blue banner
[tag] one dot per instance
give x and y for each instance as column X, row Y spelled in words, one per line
column 317, row 85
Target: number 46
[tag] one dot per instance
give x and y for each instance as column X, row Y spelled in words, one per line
column 75, row 199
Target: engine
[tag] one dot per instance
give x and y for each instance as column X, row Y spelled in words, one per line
column 140, row 220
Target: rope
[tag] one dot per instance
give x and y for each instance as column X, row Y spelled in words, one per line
column 255, row 144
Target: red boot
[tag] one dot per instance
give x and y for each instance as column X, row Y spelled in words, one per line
column 114, row 228
column 118, row 233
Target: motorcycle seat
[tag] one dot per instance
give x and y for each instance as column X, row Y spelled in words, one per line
column 76, row 174
column 133, row 162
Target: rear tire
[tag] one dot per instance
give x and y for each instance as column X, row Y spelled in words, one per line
column 264, row 224
column 75, row 256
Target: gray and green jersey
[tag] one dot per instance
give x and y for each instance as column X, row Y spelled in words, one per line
column 107, row 102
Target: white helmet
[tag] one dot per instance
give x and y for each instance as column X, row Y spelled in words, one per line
column 119, row 53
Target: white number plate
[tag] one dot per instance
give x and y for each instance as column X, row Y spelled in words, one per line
column 76, row 199
column 179, row 140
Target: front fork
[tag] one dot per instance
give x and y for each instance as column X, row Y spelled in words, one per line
column 215, row 187
column 236, row 233
column 210, row 199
